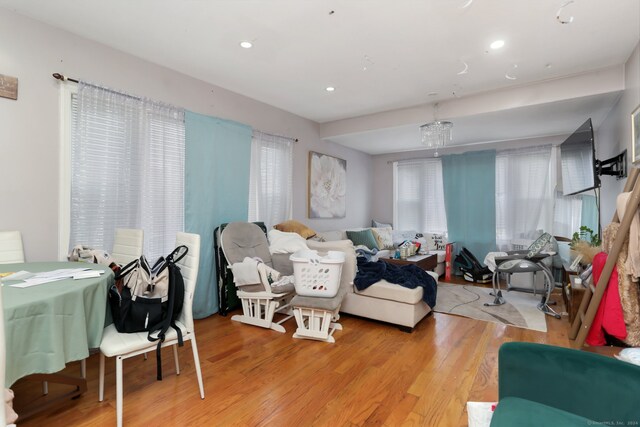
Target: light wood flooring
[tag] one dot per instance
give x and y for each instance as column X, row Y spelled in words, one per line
column 373, row 375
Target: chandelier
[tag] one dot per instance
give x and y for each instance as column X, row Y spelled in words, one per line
column 436, row 134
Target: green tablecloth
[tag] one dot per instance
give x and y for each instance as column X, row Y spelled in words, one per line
column 51, row 324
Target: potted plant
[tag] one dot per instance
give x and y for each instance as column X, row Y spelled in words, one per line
column 585, row 242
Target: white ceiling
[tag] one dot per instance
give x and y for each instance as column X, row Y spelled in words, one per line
column 380, row 55
column 536, row 121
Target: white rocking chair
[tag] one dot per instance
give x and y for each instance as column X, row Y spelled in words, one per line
column 260, row 301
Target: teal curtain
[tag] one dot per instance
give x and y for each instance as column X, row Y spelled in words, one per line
column 590, row 216
column 217, row 162
column 470, row 200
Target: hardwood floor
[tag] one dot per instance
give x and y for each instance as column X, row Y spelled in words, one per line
column 373, row 375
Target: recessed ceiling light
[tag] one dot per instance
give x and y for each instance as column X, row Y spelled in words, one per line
column 330, row 88
column 246, row 44
column 497, row 44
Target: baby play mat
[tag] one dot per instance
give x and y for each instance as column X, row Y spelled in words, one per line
column 520, row 309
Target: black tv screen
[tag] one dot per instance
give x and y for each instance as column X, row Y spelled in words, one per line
column 578, row 161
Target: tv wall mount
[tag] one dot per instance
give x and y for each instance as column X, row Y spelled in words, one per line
column 615, row 166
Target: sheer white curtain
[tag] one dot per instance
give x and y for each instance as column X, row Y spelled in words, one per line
column 127, row 169
column 522, row 193
column 419, row 196
column 270, row 181
column 567, row 217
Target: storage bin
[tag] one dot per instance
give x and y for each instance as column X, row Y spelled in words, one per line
column 316, row 276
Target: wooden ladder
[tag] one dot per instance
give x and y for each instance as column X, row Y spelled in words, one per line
column 593, row 294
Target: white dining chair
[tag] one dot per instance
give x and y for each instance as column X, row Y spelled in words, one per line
column 127, row 245
column 11, row 250
column 123, row 346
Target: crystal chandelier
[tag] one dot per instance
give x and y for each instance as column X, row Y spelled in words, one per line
column 436, row 134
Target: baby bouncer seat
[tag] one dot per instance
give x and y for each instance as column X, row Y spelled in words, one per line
column 246, row 250
column 533, row 260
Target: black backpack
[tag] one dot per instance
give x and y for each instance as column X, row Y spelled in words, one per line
column 141, row 300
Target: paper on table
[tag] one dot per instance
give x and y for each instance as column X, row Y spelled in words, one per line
column 34, row 282
column 49, row 276
column 18, row 275
column 62, row 273
column 88, row 274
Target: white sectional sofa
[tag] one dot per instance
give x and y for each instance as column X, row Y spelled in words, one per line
column 384, row 301
column 435, row 244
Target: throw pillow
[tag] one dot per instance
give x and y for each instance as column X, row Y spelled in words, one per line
column 293, row 226
column 436, row 242
column 363, row 237
column 376, row 224
column 383, row 237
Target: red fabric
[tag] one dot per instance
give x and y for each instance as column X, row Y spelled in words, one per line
column 609, row 316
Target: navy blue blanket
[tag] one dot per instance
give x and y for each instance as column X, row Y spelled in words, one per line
column 409, row 276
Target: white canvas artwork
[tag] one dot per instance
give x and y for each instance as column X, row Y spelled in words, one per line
column 327, row 186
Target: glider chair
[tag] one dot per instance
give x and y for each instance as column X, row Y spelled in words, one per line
column 11, row 250
column 127, row 245
column 260, row 301
column 123, row 346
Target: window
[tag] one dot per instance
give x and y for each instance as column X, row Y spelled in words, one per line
column 419, row 196
column 567, row 216
column 522, row 194
column 270, row 181
column 126, row 169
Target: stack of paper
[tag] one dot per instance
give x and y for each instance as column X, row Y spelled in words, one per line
column 33, row 279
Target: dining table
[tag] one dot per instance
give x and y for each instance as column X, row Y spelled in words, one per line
column 51, row 324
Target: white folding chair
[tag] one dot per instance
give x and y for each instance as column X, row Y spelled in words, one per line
column 11, row 250
column 123, row 346
column 127, row 245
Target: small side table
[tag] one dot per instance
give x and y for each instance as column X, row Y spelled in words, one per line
column 426, row 262
column 572, row 296
column 568, row 290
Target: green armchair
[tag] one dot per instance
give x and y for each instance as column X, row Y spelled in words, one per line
column 542, row 385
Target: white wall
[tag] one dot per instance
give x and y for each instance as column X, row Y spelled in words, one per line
column 29, row 127
column 614, row 135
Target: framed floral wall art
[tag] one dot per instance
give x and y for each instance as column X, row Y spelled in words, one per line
column 327, row 186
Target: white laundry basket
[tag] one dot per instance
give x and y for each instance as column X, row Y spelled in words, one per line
column 317, row 276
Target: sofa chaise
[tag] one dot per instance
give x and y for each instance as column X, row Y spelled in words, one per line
column 383, row 301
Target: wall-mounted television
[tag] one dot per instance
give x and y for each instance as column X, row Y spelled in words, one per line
column 578, row 161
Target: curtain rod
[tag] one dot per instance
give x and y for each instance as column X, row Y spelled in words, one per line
column 59, row 76
column 63, row 78
column 276, row 135
column 412, row 158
